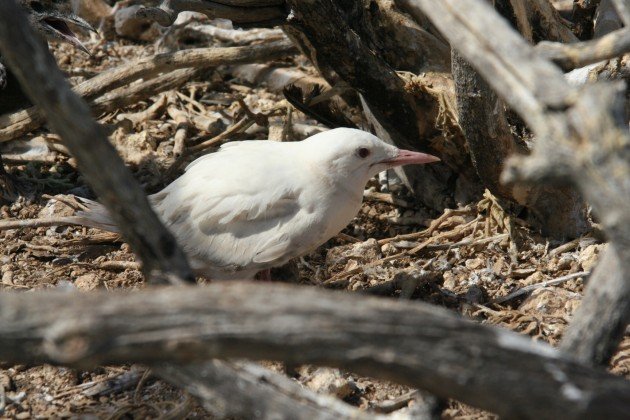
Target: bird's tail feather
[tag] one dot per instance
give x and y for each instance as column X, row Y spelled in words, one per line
column 94, row 214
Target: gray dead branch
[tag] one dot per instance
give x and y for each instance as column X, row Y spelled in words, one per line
column 248, row 390
column 69, row 116
column 407, row 342
column 582, row 139
column 536, row 20
column 572, row 56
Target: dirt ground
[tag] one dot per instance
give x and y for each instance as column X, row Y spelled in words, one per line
column 465, row 260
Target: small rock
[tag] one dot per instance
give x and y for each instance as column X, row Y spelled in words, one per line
column 553, row 301
column 88, row 282
column 388, row 249
column 7, row 278
column 343, row 257
column 449, row 281
column 331, row 381
column 589, row 256
column 475, row 263
column 537, row 277
column 565, row 262
column 55, row 208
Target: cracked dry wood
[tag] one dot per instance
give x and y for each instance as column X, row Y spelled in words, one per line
column 407, row 342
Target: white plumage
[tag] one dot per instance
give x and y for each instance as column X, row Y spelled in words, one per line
column 254, row 205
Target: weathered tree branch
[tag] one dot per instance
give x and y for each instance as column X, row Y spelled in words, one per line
column 415, row 344
column 484, row 123
column 591, row 338
column 247, row 390
column 536, row 20
column 527, row 83
column 69, row 116
column 623, row 10
column 571, row 56
column 581, row 138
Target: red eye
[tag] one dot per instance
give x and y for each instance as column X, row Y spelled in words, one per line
column 363, row 152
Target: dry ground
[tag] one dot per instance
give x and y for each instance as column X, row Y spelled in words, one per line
column 465, row 261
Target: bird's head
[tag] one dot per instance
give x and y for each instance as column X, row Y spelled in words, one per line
column 50, row 19
column 357, row 155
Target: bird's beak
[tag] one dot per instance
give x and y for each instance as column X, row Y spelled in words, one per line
column 407, row 157
column 60, row 25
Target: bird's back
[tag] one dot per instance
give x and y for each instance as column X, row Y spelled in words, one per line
column 239, row 210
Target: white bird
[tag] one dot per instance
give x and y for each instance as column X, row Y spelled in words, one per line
column 254, row 205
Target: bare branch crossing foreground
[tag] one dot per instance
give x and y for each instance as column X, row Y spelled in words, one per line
column 409, row 343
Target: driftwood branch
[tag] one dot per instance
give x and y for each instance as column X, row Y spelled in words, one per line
column 581, row 138
column 415, row 344
column 12, row 126
column 536, row 20
column 623, row 10
column 247, row 390
column 571, row 56
column 69, row 116
column 592, row 336
column 526, row 83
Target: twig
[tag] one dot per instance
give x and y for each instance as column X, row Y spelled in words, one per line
column 435, row 224
column 397, row 403
column 546, row 283
column 468, row 242
column 35, row 223
column 386, row 198
column 119, row 265
column 572, row 56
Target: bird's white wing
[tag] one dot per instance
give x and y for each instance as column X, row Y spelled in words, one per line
column 236, row 207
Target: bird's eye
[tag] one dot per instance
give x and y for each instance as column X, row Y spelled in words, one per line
column 37, row 6
column 363, row 152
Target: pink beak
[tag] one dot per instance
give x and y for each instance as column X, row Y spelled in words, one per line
column 407, row 157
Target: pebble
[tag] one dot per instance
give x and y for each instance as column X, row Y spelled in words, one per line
column 88, row 282
column 7, row 278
